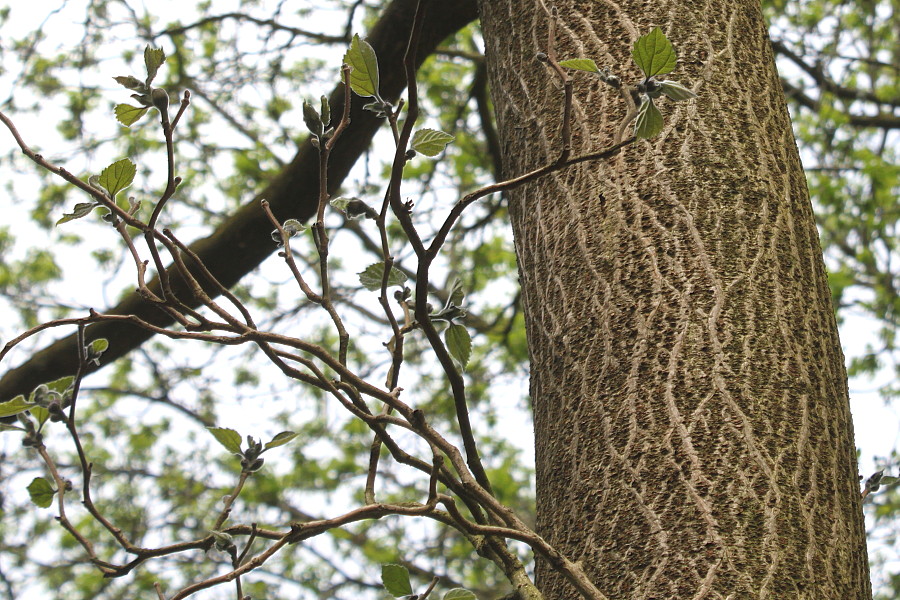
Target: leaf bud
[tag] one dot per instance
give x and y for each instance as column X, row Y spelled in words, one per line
column 160, row 99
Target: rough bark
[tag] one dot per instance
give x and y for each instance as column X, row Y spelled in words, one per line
column 693, row 433
column 242, row 242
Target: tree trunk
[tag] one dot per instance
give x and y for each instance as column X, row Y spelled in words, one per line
column 692, row 426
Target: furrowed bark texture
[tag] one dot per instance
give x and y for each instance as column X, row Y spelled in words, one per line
column 242, row 242
column 692, row 427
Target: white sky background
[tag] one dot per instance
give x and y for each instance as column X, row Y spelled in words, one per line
column 876, row 424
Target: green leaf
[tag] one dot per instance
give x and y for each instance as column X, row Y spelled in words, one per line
column 430, row 142
column 313, row 120
column 459, row 343
column 457, row 294
column 459, row 594
column 654, row 54
column 63, row 383
column 371, row 277
column 649, row 120
column 40, row 414
column 6, row 427
column 676, row 91
column 98, row 346
column 81, row 209
column 117, row 176
column 396, row 580
column 354, row 208
column 132, row 83
column 580, row 64
column 281, row 439
column 364, row 64
column 15, row 406
column 128, row 115
column 41, row 492
column 153, row 58
column 229, row 438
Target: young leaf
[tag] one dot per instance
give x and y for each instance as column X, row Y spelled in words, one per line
column 459, row 343
column 117, row 176
column 128, row 115
column 81, row 209
column 459, row 594
column 41, row 492
column 354, row 208
column 580, row 64
column 364, row 76
column 396, row 580
column 654, row 54
column 132, row 83
column 325, row 110
column 15, row 406
column 313, row 120
column 63, row 383
column 649, row 120
column 40, row 414
column 153, row 58
column 281, row 439
column 430, row 142
column 676, row 91
column 229, row 438
column 96, row 349
column 371, row 277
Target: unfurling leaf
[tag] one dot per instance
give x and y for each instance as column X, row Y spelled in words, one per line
column 676, row 91
column 281, row 439
column 354, row 208
column 132, row 83
column 62, row 385
column 229, row 438
column 430, row 142
column 81, row 209
column 313, row 120
column 117, row 176
column 654, row 54
column 371, row 277
column 153, row 58
column 459, row 343
column 649, row 120
column 364, row 64
column 41, row 492
column 580, row 64
column 128, row 115
column 396, row 580
column 96, row 349
column 325, row 110
column 459, row 594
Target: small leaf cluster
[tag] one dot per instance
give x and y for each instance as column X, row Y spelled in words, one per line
column 655, row 56
column 146, row 95
column 251, row 459
column 45, row 403
column 457, row 338
column 291, row 227
column 113, row 179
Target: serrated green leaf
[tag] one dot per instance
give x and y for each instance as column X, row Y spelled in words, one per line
column 676, row 91
column 580, row 64
column 15, row 406
column 396, row 580
column 118, row 176
column 153, row 59
column 654, row 54
column 459, row 594
column 281, row 439
column 132, row 83
column 81, row 209
column 459, row 343
column 41, row 492
column 312, row 119
column 430, row 142
column 128, row 115
column 229, row 438
column 364, row 64
column 62, row 384
column 371, row 277
column 649, row 120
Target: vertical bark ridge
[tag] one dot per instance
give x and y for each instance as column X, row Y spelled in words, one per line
column 691, row 411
